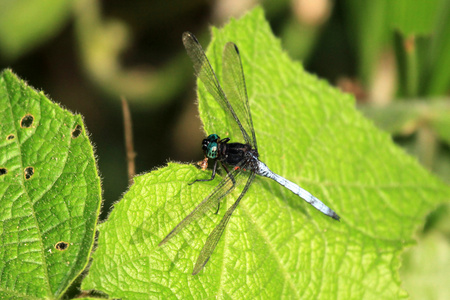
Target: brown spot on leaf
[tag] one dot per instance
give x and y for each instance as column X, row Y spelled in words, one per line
column 76, row 132
column 61, row 246
column 27, row 121
column 29, row 171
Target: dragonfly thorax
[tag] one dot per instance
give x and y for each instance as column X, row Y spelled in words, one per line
column 210, row 146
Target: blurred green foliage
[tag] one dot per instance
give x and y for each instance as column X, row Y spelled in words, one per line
column 394, row 56
column 26, row 24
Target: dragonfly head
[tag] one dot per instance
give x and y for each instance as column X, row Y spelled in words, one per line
column 209, row 146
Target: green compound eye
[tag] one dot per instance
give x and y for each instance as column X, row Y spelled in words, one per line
column 209, row 146
column 211, row 151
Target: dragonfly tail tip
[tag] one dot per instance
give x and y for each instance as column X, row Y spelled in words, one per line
column 336, row 217
column 333, row 215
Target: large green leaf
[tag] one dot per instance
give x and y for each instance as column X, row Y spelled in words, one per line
column 49, row 193
column 275, row 245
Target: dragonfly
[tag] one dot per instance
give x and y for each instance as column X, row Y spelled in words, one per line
column 239, row 160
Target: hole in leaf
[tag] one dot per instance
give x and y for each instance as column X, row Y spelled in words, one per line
column 10, row 137
column 76, row 132
column 61, row 246
column 3, row 171
column 27, row 121
column 29, row 171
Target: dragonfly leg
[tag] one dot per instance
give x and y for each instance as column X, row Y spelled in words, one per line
column 228, row 172
column 209, row 179
column 232, row 180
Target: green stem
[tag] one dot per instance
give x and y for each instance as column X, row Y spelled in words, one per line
column 412, row 70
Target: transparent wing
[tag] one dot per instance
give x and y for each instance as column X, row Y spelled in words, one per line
column 215, row 235
column 233, row 84
column 212, row 200
column 204, row 71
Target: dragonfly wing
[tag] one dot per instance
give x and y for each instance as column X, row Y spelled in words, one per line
column 234, row 86
column 215, row 235
column 220, row 191
column 205, row 72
